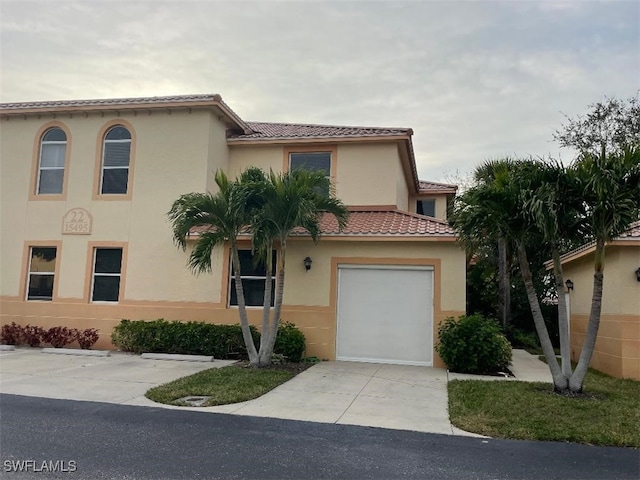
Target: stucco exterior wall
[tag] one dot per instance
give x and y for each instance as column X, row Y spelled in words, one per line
column 367, row 174
column 441, row 204
column 617, row 350
column 166, row 151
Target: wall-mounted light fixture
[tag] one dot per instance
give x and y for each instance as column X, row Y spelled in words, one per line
column 638, row 274
column 569, row 284
column 307, row 263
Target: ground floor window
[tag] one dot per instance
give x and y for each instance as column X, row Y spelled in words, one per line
column 42, row 266
column 253, row 280
column 107, row 269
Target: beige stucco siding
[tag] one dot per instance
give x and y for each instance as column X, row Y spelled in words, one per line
column 402, row 189
column 367, row 174
column 441, row 204
column 617, row 349
column 312, row 287
column 266, row 157
column 168, row 152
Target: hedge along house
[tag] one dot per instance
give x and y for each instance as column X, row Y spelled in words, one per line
column 617, row 349
column 86, row 242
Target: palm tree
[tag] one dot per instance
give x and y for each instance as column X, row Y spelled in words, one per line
column 492, row 210
column 294, row 200
column 610, row 188
column 224, row 216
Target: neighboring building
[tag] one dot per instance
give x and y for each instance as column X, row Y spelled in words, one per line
column 86, row 242
column 617, row 350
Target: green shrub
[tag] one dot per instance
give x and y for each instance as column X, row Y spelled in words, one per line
column 473, row 344
column 290, row 342
column 189, row 338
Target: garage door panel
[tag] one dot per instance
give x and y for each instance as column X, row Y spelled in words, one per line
column 385, row 315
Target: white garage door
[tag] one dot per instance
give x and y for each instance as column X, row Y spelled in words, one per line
column 385, row 314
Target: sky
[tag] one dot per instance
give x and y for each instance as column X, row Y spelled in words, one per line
column 475, row 80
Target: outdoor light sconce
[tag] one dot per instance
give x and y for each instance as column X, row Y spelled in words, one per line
column 638, row 274
column 307, row 263
column 569, row 284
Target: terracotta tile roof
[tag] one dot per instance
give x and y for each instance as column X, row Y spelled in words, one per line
column 386, row 222
column 264, row 130
column 111, row 101
column 633, row 233
column 376, row 223
column 108, row 104
column 435, row 187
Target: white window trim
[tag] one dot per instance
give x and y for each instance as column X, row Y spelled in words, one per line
column 43, row 274
column 41, row 168
column 108, row 167
column 249, row 277
column 93, row 275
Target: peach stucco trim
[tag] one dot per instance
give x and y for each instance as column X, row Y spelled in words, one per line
column 35, row 168
column 98, row 162
column 26, row 261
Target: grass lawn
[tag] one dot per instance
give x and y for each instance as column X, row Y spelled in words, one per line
column 608, row 413
column 231, row 384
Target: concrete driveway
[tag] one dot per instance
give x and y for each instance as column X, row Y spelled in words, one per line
column 119, row 378
column 368, row 394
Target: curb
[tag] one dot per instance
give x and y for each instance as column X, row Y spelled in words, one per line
column 78, row 351
column 175, row 356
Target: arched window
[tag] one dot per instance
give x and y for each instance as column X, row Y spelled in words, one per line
column 116, row 153
column 53, row 151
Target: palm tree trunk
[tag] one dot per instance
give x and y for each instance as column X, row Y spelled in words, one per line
column 265, row 356
column 504, row 294
column 242, row 308
column 559, row 381
column 577, row 379
column 266, row 304
column 563, row 321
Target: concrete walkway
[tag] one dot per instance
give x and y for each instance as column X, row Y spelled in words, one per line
column 368, row 394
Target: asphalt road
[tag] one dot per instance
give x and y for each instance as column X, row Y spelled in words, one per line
column 105, row 441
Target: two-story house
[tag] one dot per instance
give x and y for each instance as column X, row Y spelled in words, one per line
column 85, row 240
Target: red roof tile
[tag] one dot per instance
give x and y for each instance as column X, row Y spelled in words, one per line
column 264, row 130
column 376, row 223
column 435, row 187
column 111, row 101
column 632, row 233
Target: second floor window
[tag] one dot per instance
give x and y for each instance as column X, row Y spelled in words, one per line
column 426, row 207
column 53, row 151
column 313, row 161
column 116, row 154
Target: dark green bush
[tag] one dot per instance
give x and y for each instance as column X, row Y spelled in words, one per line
column 190, row 338
column 290, row 342
column 473, row 344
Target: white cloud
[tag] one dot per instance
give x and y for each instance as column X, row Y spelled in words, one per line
column 474, row 80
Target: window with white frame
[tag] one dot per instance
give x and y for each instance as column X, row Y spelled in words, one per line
column 253, row 280
column 107, row 269
column 53, row 151
column 42, row 267
column 116, row 154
